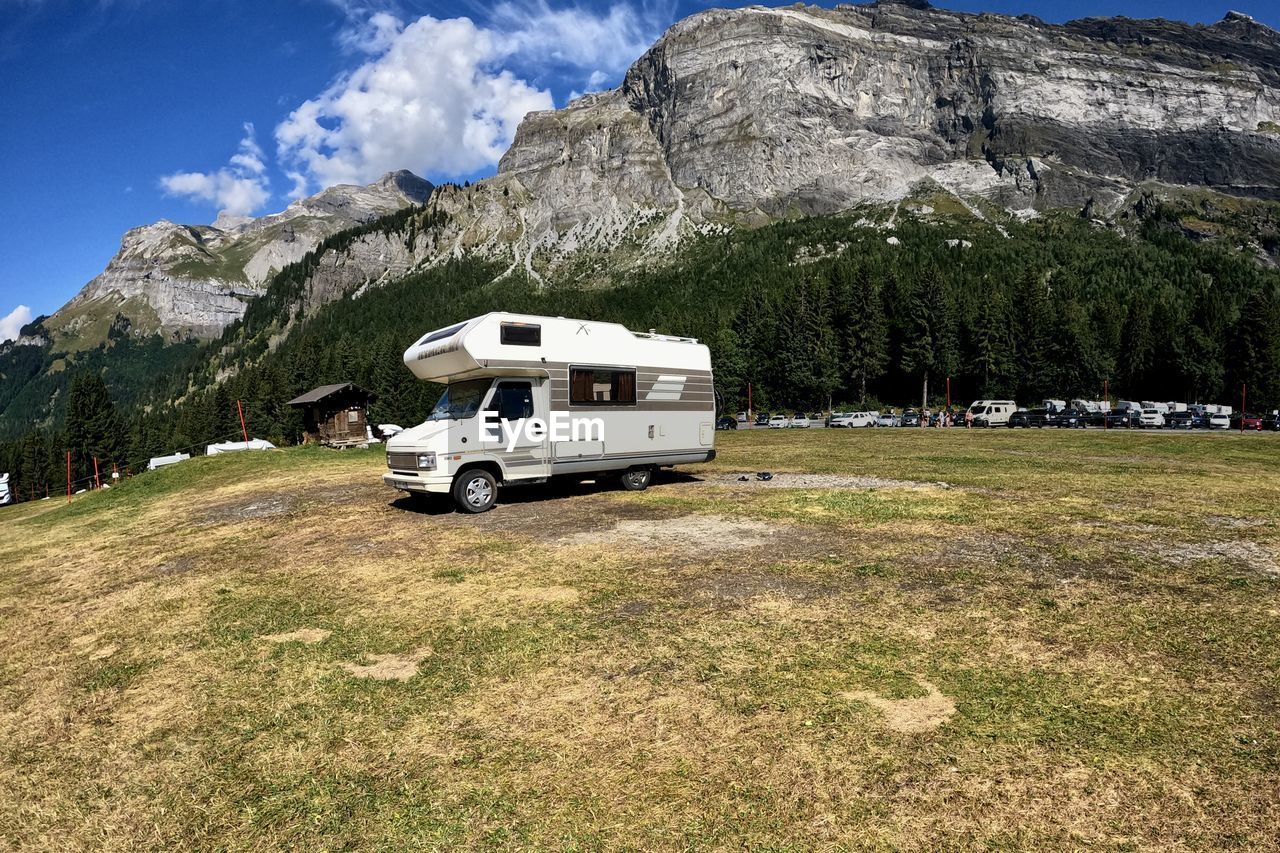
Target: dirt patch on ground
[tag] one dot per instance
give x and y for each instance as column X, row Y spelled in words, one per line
column 687, row 533
column 104, row 652
column 909, row 716
column 1249, row 554
column 735, row 588
column 813, row 481
column 176, row 566
column 401, row 667
column 310, row 636
column 264, row 507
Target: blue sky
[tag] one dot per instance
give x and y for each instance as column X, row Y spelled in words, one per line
column 117, row 113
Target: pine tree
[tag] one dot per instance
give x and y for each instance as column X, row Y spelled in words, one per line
column 94, row 430
column 867, row 332
column 1255, row 351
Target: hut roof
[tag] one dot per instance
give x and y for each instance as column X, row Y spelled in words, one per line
column 315, row 395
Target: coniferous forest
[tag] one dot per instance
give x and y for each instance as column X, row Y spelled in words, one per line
column 810, row 313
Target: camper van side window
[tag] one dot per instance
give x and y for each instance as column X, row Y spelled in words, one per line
column 601, row 386
column 521, row 334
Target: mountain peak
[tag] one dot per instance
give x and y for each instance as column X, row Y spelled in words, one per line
column 922, row 5
column 407, row 183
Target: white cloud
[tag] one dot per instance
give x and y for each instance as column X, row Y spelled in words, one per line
column 435, row 101
column 576, row 36
column 444, row 97
column 239, row 188
column 12, row 323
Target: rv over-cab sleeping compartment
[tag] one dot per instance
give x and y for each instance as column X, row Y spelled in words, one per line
column 528, row 398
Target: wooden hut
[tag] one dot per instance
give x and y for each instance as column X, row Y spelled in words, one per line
column 335, row 415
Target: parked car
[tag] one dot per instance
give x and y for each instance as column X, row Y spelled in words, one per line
column 1246, row 421
column 1150, row 418
column 1180, row 420
column 1271, row 422
column 1020, row 419
column 1219, row 420
column 911, row 418
column 799, row 419
column 778, row 422
column 762, row 419
column 727, row 422
column 854, row 419
column 888, row 419
column 1068, row 419
column 1121, row 419
column 839, row 420
column 742, row 417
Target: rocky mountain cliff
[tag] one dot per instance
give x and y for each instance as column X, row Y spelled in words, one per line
column 740, row 117
column 193, row 280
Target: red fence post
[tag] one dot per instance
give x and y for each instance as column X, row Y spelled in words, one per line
column 68, row 475
column 243, row 429
column 97, row 479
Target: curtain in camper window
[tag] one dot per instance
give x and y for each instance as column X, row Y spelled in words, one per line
column 624, row 386
column 602, row 386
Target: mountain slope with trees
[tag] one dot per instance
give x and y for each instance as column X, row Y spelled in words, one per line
column 837, row 309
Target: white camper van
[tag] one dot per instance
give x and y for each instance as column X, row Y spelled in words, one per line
column 532, row 397
column 5, row 496
column 992, row 413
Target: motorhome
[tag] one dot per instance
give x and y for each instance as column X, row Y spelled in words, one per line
column 529, row 398
column 5, row 495
column 989, row 413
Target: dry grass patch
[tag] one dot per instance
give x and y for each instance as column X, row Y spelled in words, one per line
column 913, row 715
column 390, row 667
column 708, row 664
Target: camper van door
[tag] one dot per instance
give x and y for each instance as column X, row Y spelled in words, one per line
column 515, row 402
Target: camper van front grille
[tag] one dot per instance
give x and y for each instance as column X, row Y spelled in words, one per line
column 402, row 461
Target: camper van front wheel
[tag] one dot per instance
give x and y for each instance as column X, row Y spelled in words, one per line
column 475, row 490
column 637, row 479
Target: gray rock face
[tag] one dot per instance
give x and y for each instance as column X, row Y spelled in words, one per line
column 739, row 117
column 184, row 280
column 742, row 116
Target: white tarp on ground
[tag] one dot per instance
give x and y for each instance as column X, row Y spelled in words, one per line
column 5, row 497
column 161, row 461
column 237, row 446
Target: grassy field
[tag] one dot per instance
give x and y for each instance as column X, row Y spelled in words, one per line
column 909, row 639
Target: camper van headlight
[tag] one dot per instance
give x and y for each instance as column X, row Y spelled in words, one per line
column 427, row 461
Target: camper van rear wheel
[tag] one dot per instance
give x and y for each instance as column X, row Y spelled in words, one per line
column 636, row 479
column 475, row 490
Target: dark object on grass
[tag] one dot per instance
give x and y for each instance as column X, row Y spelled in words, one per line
column 743, row 478
column 764, row 475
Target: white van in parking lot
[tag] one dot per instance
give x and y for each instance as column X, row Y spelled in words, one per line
column 529, row 398
column 992, row 413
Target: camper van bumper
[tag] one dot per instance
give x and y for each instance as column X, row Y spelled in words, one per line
column 412, row 483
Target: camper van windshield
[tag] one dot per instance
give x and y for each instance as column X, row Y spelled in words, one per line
column 460, row 400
